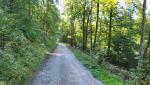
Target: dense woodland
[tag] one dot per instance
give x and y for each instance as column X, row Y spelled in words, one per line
column 28, row 30
column 117, row 33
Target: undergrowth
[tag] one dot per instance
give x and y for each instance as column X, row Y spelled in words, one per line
column 98, row 71
column 24, row 42
column 19, row 62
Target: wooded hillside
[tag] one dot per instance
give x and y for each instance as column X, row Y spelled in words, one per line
column 28, row 30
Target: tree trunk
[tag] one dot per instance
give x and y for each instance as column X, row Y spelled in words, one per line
column 95, row 38
column 83, row 27
column 72, row 33
column 148, row 44
column 99, row 33
column 87, row 27
column 90, row 21
column 110, row 31
column 141, row 52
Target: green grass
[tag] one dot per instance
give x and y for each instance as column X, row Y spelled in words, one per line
column 98, row 72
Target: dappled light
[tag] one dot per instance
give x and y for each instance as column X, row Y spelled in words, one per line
column 107, row 40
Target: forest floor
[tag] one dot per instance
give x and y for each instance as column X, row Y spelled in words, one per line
column 62, row 68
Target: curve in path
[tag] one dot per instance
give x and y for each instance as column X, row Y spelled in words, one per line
column 62, row 68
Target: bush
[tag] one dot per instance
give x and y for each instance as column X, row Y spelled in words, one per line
column 24, row 43
column 123, row 53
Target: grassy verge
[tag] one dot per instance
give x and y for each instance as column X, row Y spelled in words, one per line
column 98, row 72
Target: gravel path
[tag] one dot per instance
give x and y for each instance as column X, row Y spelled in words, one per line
column 62, row 68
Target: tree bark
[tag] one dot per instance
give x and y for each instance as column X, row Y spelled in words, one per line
column 91, row 33
column 148, row 44
column 110, row 32
column 95, row 38
column 99, row 33
column 141, row 52
column 87, row 27
column 72, row 33
column 83, row 27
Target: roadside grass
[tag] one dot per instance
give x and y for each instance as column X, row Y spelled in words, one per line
column 98, row 72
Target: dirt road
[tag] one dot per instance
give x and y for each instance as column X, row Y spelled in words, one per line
column 62, row 68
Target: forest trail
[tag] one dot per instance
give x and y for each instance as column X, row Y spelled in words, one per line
column 62, row 68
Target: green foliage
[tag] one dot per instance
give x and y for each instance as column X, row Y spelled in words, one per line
column 123, row 39
column 123, row 51
column 145, row 70
column 99, row 72
column 25, row 38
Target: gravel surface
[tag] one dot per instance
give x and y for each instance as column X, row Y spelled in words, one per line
column 62, row 68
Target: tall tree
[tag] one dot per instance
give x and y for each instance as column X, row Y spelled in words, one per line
column 90, row 26
column 87, row 24
column 141, row 52
column 72, row 32
column 148, row 44
column 96, row 31
column 110, row 31
column 83, row 24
